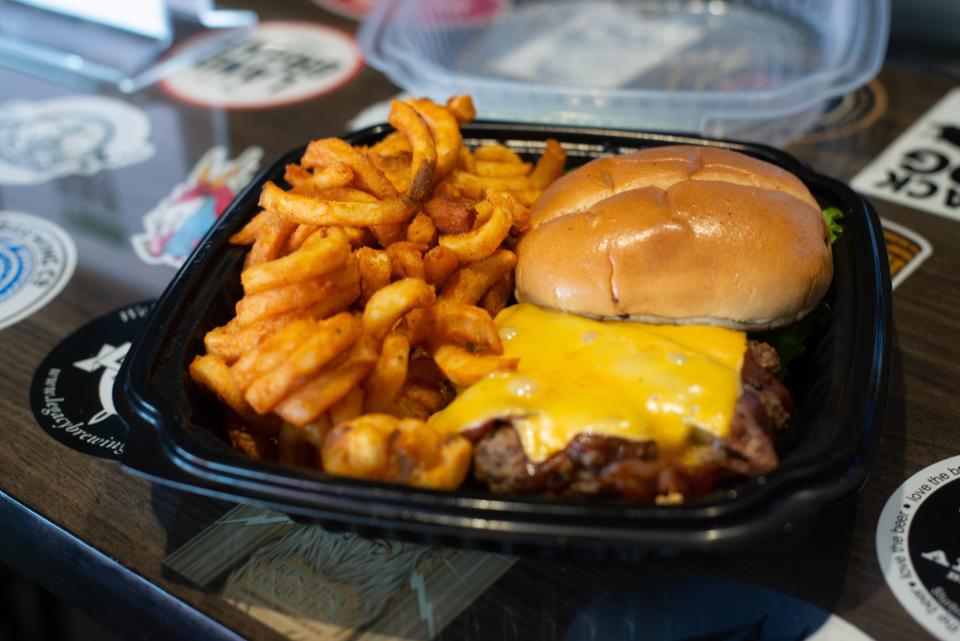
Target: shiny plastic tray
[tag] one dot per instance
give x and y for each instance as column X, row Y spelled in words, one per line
column 839, row 384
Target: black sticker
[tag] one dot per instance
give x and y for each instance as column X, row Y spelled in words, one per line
column 934, row 546
column 72, row 391
column 918, row 548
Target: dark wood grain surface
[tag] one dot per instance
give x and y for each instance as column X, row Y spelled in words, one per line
column 134, row 524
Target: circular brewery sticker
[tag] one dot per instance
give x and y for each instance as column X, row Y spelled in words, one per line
column 37, row 259
column 74, row 135
column 919, row 550
column 72, row 390
column 276, row 63
column 847, row 114
column 705, row 609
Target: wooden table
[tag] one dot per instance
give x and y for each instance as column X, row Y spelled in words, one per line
column 96, row 535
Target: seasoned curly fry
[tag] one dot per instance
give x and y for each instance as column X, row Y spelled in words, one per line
column 468, row 284
column 375, row 270
column 464, row 369
column 462, row 108
column 451, row 215
column 271, row 353
column 333, row 151
column 422, row 230
column 327, row 339
column 330, row 385
column 307, row 210
column 464, row 325
column 311, row 260
column 251, row 231
column 446, row 133
column 388, row 376
column 384, row 448
column 213, row 373
column 498, row 295
column 270, row 241
column 480, row 242
column 406, row 259
column 387, row 305
column 549, row 167
column 438, row 264
column 424, row 161
column 348, row 407
column 233, row 340
column 300, row 295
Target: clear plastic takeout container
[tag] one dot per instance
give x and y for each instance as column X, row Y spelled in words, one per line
column 750, row 69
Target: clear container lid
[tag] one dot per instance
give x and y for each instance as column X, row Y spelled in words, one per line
column 752, row 69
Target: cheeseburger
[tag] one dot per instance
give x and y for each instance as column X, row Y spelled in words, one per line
column 636, row 286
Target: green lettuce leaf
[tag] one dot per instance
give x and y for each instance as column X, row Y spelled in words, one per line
column 832, row 216
column 791, row 341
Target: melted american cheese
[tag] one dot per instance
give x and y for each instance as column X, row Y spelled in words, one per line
column 631, row 380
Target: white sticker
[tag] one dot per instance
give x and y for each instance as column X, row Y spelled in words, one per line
column 921, row 169
column 919, row 550
column 276, row 63
column 174, row 227
column 45, row 139
column 37, row 259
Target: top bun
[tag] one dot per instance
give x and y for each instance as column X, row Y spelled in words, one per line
column 681, row 235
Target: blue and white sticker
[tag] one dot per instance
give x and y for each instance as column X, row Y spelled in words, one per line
column 37, row 259
column 77, row 135
column 918, row 547
column 178, row 222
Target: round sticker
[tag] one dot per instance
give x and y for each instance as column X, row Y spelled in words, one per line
column 702, row 609
column 355, row 9
column 72, row 390
column 37, row 259
column 45, row 139
column 276, row 63
column 847, row 114
column 919, row 550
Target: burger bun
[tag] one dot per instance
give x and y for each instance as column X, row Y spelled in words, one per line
column 679, row 235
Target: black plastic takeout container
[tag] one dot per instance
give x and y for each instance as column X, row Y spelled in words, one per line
column 176, row 437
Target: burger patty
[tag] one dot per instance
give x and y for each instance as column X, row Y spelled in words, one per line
column 594, row 464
